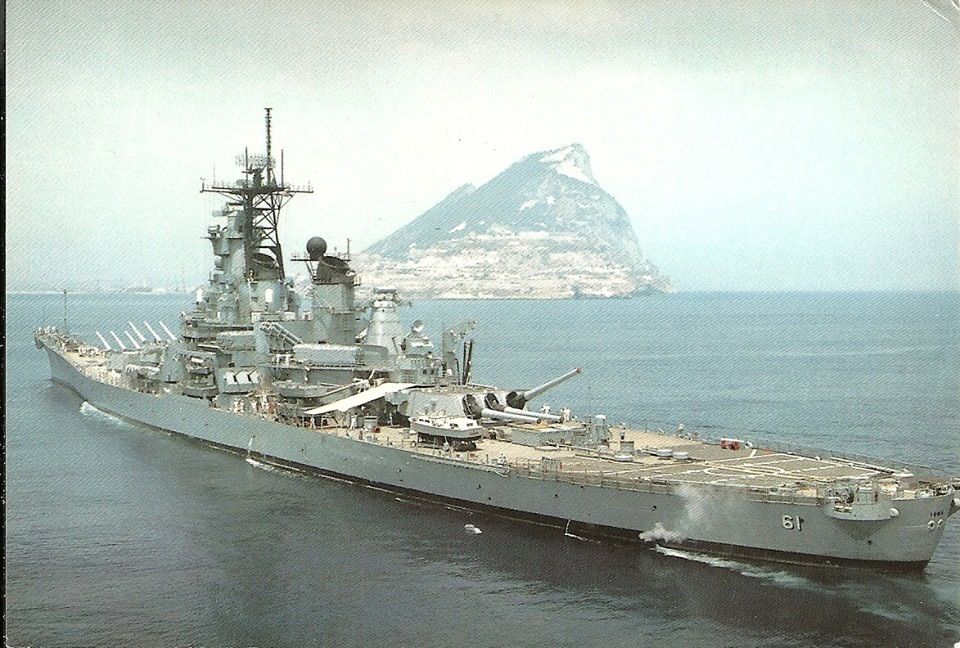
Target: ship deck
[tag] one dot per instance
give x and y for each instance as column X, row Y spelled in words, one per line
column 708, row 464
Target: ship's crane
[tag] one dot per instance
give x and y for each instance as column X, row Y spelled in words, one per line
column 451, row 336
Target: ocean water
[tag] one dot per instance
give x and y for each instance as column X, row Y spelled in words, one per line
column 122, row 535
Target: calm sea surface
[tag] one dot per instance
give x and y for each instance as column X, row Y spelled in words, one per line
column 120, row 535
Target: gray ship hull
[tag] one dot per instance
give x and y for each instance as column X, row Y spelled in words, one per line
column 707, row 518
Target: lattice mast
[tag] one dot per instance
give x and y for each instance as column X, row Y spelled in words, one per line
column 260, row 198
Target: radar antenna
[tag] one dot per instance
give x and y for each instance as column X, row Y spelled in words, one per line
column 259, row 198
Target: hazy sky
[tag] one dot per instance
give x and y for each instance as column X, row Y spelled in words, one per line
column 776, row 145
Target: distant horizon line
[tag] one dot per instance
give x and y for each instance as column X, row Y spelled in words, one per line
column 770, row 291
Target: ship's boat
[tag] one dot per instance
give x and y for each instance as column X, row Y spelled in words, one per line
column 459, row 432
column 316, row 381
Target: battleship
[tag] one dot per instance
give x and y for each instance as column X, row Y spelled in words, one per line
column 313, row 380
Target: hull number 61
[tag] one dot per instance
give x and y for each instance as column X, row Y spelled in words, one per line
column 793, row 523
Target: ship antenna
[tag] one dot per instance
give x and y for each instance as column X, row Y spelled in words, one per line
column 65, row 329
column 269, row 159
column 262, row 199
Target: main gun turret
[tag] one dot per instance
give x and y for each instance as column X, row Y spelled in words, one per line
column 493, row 404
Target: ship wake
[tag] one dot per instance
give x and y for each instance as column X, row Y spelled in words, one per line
column 91, row 411
column 288, row 471
column 261, row 465
column 779, row 577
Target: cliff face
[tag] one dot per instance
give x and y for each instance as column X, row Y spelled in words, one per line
column 543, row 228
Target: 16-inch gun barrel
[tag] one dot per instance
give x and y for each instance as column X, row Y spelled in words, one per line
column 518, row 399
column 492, row 408
column 543, row 416
column 492, row 403
column 497, row 415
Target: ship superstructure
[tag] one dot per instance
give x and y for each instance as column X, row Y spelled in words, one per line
column 320, row 382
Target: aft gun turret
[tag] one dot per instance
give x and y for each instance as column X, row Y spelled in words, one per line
column 474, row 409
column 493, row 404
column 519, row 399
